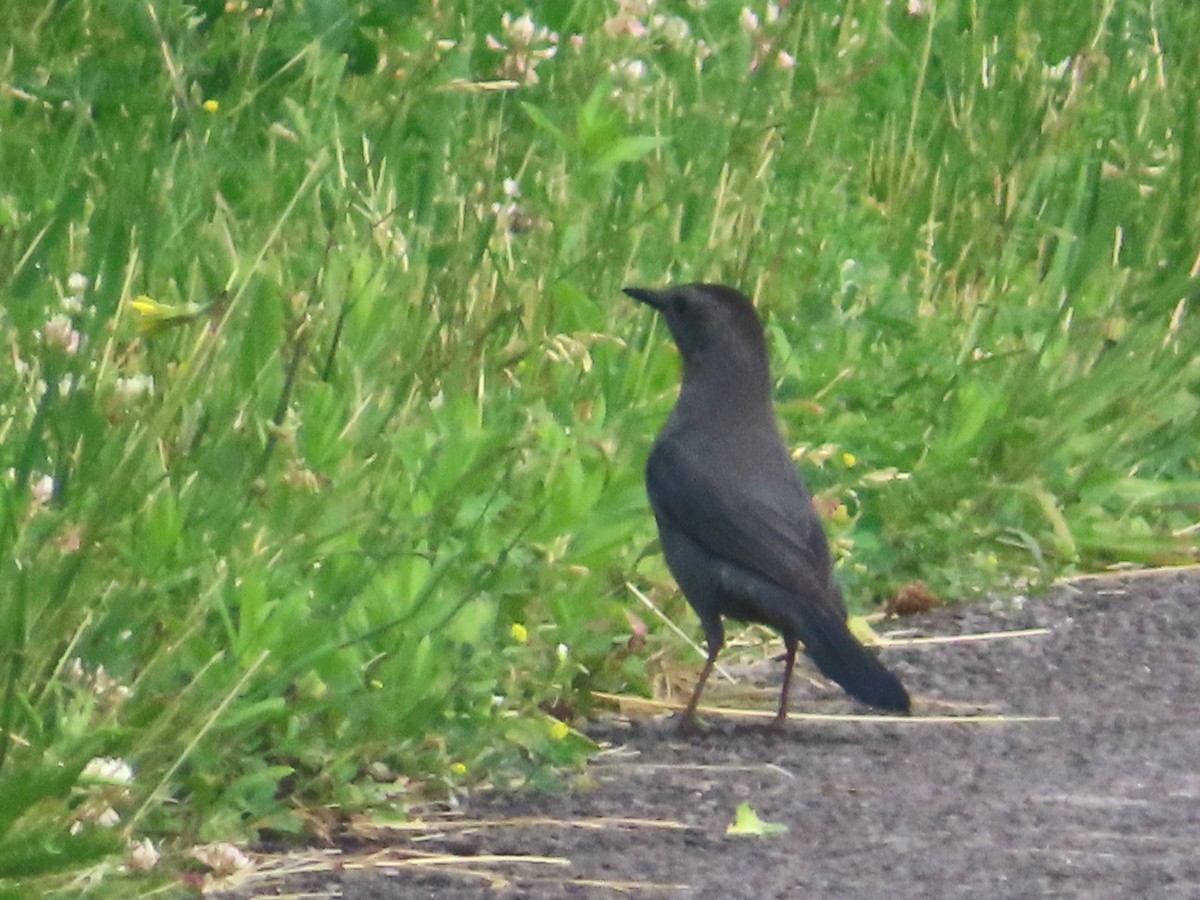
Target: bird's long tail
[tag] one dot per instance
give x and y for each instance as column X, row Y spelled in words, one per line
column 838, row 654
column 817, row 616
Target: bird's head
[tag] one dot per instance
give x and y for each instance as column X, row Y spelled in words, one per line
column 714, row 326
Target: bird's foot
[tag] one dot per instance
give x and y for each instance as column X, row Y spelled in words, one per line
column 778, row 725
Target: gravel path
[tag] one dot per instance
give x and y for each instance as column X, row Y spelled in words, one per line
column 1101, row 801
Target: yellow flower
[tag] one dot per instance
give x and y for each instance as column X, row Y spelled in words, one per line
column 559, row 730
column 519, row 633
column 154, row 317
column 458, row 768
column 211, row 106
column 850, row 460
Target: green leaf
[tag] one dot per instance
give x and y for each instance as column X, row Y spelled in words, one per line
column 628, row 150
column 748, row 824
column 542, row 121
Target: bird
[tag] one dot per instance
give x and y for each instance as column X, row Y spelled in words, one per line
column 735, row 519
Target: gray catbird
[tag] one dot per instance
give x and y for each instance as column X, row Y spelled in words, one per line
column 737, row 524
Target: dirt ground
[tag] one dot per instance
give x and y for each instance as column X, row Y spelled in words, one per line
column 1100, row 800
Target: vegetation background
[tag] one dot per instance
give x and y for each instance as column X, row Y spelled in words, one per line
column 322, row 420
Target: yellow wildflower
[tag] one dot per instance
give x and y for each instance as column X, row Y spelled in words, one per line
column 154, row 317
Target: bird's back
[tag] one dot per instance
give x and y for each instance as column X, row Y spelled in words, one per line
column 736, row 491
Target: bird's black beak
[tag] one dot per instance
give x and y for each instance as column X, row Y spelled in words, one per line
column 651, row 298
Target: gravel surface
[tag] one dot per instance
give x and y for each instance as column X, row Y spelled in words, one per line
column 1102, row 800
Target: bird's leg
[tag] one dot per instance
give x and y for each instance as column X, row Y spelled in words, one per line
column 688, row 724
column 781, row 716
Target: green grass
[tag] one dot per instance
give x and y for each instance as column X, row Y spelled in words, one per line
column 407, row 410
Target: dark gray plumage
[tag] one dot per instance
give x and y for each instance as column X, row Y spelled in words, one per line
column 738, row 529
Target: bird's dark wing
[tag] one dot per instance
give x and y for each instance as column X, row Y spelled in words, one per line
column 748, row 525
column 751, row 511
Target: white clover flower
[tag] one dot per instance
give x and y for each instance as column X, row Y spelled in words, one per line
column 130, row 389
column 748, row 20
column 75, row 672
column 673, row 29
column 629, row 19
column 222, row 858
column 785, row 61
column 143, row 856
column 105, row 768
column 632, row 70
column 528, row 44
column 520, row 32
column 77, row 283
column 94, row 811
column 625, row 24
column 42, row 490
column 108, row 818
column 58, row 332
